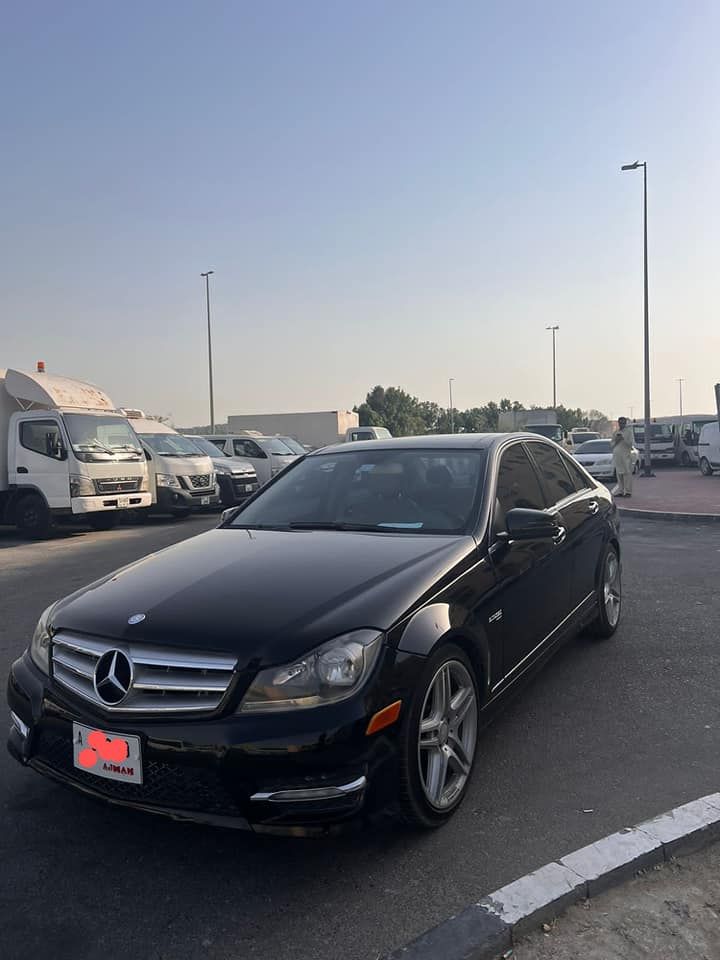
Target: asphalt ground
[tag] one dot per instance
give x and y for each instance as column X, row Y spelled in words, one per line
column 608, row 734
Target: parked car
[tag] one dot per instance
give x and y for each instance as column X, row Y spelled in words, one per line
column 181, row 477
column 354, row 434
column 709, row 449
column 576, row 437
column 333, row 647
column 236, row 478
column 596, row 457
column 268, row 455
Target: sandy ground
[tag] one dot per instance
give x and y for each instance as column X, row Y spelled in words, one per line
column 672, row 912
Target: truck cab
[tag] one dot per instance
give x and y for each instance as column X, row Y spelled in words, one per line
column 65, row 454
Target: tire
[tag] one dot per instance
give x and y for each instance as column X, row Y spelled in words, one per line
column 705, row 469
column 685, row 459
column 609, row 592
column 33, row 517
column 102, row 521
column 434, row 780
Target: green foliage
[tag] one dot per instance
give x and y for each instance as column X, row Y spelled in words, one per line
column 405, row 415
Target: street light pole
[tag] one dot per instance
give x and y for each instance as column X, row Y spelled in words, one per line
column 210, row 363
column 681, row 381
column 554, row 330
column 452, row 409
column 647, row 466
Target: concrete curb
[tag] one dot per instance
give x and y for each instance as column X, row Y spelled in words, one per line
column 489, row 928
column 637, row 514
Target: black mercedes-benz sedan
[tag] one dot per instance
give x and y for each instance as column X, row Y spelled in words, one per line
column 333, row 647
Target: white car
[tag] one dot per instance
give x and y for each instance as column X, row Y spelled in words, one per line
column 596, row 457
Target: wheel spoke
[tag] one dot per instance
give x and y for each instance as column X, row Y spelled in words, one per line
column 430, row 733
column 460, row 705
column 437, row 775
column 459, row 760
column 442, row 690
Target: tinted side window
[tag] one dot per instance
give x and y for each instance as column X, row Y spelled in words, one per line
column 42, row 436
column 247, row 448
column 517, row 485
column 580, row 481
column 552, row 469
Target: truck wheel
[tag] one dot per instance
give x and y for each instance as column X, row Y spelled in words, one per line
column 102, row 521
column 33, row 517
column 705, row 469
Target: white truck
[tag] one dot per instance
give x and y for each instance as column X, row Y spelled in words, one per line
column 65, row 454
column 542, row 422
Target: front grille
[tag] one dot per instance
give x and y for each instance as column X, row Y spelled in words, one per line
column 164, row 679
column 201, row 481
column 118, row 485
column 164, row 784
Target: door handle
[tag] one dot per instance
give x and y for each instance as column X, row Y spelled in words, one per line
column 559, row 536
column 23, row 470
column 593, row 506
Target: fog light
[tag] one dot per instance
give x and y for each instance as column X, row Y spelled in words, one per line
column 22, row 728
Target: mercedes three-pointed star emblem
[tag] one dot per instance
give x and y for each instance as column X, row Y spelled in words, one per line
column 113, row 677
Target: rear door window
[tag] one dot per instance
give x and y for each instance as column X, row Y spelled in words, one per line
column 517, row 484
column 556, row 479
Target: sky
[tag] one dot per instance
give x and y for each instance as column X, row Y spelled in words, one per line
column 388, row 192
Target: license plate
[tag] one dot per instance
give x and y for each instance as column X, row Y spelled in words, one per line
column 115, row 756
column 204, row 501
column 123, row 502
column 248, row 488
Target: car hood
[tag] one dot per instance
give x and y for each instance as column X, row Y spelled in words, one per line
column 264, row 595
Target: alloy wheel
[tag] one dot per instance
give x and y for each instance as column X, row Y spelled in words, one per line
column 447, row 734
column 612, row 591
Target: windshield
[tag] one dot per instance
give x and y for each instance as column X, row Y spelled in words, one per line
column 658, row 431
column 294, row 446
column 98, row 438
column 171, row 445
column 584, row 437
column 552, row 431
column 206, row 447
column 276, row 446
column 594, row 446
column 388, row 491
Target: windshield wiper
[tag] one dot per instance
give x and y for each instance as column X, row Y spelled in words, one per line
column 95, row 443
column 332, row 525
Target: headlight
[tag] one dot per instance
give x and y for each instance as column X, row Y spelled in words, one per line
column 166, row 480
column 332, row 672
column 81, row 486
column 40, row 643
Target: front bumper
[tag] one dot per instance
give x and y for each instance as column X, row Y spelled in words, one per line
column 302, row 773
column 177, row 500
column 235, row 490
column 110, row 501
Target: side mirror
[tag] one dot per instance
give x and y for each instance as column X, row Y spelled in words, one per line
column 523, row 524
column 227, row 515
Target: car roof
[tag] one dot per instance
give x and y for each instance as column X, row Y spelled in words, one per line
column 433, row 441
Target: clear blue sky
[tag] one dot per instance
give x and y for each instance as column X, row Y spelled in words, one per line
column 389, row 192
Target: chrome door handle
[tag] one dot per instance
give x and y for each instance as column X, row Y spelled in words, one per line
column 560, row 536
column 593, row 507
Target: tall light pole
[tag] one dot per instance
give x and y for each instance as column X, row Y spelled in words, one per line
column 554, row 331
column 681, row 381
column 647, row 468
column 451, row 380
column 207, row 276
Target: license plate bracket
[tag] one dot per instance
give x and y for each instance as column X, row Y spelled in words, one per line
column 113, row 756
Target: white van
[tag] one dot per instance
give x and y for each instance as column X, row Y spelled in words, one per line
column 182, row 478
column 268, row 455
column 709, row 449
column 352, row 434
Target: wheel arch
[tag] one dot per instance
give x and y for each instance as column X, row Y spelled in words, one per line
column 432, row 627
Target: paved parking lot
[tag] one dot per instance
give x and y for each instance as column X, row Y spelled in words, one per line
column 607, row 734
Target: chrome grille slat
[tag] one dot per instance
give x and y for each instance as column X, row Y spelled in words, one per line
column 165, row 679
column 200, row 481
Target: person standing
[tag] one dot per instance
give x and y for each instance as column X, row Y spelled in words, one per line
column 622, row 445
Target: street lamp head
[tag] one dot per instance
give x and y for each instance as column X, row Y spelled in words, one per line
column 556, row 327
column 207, row 274
column 631, row 166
